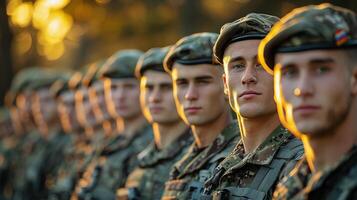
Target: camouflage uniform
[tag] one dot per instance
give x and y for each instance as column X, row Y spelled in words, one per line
column 253, row 175
column 109, row 170
column 75, row 150
column 319, row 27
column 117, row 160
column 189, row 174
column 148, row 180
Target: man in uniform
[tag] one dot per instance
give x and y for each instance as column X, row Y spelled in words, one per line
column 118, row 158
column 202, row 104
column 171, row 134
column 312, row 54
column 266, row 151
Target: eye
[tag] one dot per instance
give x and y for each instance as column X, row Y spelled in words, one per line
column 289, row 72
column 166, row 87
column 203, row 81
column 258, row 66
column 322, row 69
column 149, row 87
column 181, row 82
column 238, row 66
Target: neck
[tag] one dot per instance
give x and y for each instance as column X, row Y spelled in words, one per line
column 165, row 134
column 205, row 134
column 132, row 125
column 326, row 151
column 254, row 131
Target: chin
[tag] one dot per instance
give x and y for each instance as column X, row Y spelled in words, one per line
column 312, row 129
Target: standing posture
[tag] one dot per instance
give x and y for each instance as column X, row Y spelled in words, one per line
column 312, row 54
column 202, row 104
column 171, row 135
column 266, row 151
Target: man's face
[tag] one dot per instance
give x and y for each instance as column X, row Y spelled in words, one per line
column 157, row 99
column 97, row 99
column 66, row 110
column 122, row 97
column 84, row 109
column 250, row 87
column 313, row 90
column 198, row 92
column 44, row 107
column 23, row 102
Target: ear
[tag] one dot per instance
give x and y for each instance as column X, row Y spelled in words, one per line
column 354, row 80
column 225, row 85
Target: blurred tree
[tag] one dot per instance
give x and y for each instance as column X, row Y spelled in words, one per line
column 6, row 72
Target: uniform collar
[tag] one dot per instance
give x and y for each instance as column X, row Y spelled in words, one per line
column 197, row 157
column 152, row 155
column 263, row 155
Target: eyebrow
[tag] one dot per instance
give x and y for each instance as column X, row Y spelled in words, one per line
column 321, row 60
column 241, row 58
column 311, row 62
column 200, row 78
column 235, row 59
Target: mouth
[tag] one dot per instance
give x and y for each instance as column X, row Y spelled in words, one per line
column 306, row 109
column 249, row 94
column 156, row 109
column 192, row 110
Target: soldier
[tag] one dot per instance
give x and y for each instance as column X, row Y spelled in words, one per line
column 312, row 54
column 202, row 104
column 47, row 153
column 171, row 134
column 266, row 151
column 77, row 151
column 118, row 158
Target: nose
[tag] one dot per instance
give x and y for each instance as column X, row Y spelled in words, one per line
column 192, row 92
column 304, row 86
column 249, row 76
column 120, row 94
column 155, row 95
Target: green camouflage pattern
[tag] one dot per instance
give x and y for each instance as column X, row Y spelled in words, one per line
column 252, row 26
column 338, row 182
column 192, row 49
column 121, row 65
column 117, row 160
column 311, row 27
column 148, row 180
column 151, row 60
column 189, row 174
column 239, row 169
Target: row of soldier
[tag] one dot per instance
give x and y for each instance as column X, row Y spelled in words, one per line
column 160, row 125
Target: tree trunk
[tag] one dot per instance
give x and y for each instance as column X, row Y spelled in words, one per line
column 6, row 72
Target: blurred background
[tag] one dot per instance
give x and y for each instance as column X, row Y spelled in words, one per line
column 67, row 34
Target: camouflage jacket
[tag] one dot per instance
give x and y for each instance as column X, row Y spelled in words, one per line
column 254, row 175
column 148, row 180
column 117, row 160
column 75, row 155
column 336, row 183
column 189, row 174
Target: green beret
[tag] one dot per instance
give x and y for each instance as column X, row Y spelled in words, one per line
column 121, row 64
column 251, row 27
column 151, row 60
column 44, row 80
column 191, row 50
column 92, row 73
column 312, row 27
column 23, row 78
